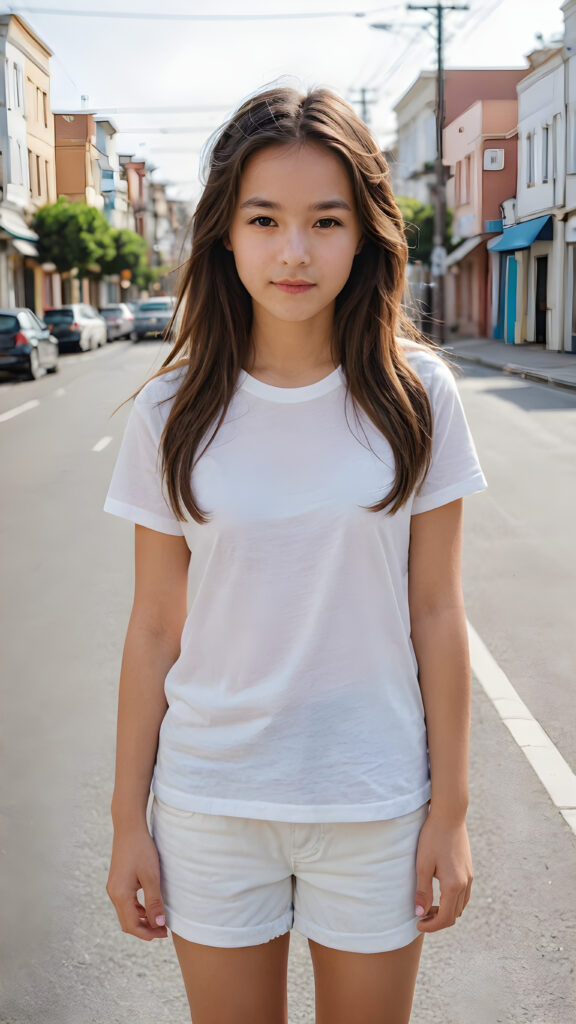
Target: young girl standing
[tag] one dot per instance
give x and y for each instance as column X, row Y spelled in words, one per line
column 304, row 724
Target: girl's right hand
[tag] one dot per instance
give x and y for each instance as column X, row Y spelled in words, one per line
column 135, row 865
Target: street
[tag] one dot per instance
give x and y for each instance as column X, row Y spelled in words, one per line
column 68, row 568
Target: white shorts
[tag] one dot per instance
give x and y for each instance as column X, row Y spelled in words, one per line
column 230, row 881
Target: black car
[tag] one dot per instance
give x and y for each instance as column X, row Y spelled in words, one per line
column 26, row 344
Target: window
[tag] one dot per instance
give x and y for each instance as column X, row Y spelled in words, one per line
column 467, row 178
column 571, row 148
column 458, row 183
column 529, row 159
column 39, row 180
column 21, row 166
column 545, row 151
column 30, row 159
column 16, row 85
column 46, row 176
column 7, row 81
column 45, row 109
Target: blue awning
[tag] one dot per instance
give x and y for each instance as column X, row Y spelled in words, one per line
column 521, row 236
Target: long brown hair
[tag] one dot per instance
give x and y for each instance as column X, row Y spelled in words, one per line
column 212, row 319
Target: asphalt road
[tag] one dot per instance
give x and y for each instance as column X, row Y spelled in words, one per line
column 65, row 602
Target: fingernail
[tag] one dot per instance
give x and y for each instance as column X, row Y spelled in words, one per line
column 419, row 911
column 160, row 920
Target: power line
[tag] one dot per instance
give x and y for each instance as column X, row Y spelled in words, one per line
column 155, row 110
column 177, row 16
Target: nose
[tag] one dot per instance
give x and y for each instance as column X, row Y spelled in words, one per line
column 294, row 248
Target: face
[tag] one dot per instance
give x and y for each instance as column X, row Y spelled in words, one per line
column 295, row 219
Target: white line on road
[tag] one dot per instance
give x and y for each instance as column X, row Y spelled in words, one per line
column 553, row 771
column 18, row 409
column 102, row 443
column 59, row 392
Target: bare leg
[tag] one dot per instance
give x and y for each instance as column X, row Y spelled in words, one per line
column 245, row 985
column 371, row 988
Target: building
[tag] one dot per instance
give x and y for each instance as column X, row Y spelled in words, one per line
column 569, row 11
column 480, row 147
column 117, row 208
column 78, row 168
column 529, row 257
column 113, row 184
column 413, row 174
column 139, row 195
column 27, row 178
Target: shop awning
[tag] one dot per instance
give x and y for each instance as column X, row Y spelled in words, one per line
column 26, row 248
column 521, row 236
column 12, row 223
column 466, row 247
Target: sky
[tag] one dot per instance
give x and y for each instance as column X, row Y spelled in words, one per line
column 170, row 60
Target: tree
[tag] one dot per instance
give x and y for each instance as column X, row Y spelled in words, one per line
column 73, row 235
column 131, row 253
column 419, row 228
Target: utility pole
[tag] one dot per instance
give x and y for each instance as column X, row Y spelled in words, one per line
column 365, row 101
column 439, row 250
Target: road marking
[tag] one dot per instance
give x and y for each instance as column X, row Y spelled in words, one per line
column 59, row 392
column 102, row 443
column 554, row 772
column 18, row 409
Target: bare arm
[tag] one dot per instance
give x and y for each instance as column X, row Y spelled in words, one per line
column 440, row 641
column 151, row 647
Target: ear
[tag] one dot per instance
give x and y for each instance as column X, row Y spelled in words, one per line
column 360, row 245
column 226, row 243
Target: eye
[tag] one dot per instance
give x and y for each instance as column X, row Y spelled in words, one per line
column 330, row 220
column 261, row 218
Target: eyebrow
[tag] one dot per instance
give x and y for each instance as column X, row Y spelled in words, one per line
column 325, row 204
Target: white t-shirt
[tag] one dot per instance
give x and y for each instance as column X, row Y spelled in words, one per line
column 295, row 696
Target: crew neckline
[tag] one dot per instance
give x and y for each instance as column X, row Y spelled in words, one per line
column 273, row 393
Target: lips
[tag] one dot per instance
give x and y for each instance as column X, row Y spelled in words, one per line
column 294, row 287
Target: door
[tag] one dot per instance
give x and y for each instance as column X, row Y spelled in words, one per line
column 511, row 283
column 541, row 297
column 499, row 326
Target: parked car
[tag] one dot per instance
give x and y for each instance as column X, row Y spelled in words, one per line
column 26, row 344
column 77, row 326
column 152, row 316
column 119, row 320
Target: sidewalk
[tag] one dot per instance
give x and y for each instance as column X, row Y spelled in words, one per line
column 531, row 360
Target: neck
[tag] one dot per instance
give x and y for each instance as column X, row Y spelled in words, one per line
column 292, row 349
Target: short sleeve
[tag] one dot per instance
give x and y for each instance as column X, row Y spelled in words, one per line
column 135, row 490
column 455, row 469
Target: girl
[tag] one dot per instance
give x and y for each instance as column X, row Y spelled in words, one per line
column 304, row 726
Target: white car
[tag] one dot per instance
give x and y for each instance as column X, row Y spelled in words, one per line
column 78, row 326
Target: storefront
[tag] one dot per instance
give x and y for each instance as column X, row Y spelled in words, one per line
column 521, row 257
column 570, row 312
column 17, row 253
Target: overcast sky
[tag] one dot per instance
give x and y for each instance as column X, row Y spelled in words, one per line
column 170, row 62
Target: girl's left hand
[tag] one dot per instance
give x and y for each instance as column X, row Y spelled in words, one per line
column 443, row 853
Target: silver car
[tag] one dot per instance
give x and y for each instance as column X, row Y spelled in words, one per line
column 119, row 320
column 152, row 316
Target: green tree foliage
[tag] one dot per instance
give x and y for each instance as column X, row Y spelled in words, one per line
column 419, row 228
column 77, row 235
column 73, row 235
column 130, row 251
